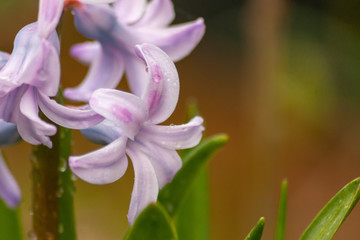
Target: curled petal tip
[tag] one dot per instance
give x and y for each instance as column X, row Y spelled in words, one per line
column 177, row 40
column 162, row 90
column 175, row 136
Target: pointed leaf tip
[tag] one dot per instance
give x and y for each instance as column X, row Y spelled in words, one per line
column 330, row 218
column 281, row 219
column 257, row 231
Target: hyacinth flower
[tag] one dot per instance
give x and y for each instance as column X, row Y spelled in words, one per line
column 33, row 66
column 131, row 128
column 9, row 190
column 116, row 30
column 31, row 75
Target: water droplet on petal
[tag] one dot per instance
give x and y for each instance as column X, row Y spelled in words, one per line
column 42, row 75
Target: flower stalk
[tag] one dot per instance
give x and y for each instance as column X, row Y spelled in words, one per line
column 53, row 188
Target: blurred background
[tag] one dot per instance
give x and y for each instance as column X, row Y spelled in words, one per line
column 281, row 78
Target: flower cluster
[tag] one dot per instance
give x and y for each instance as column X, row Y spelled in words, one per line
column 131, row 36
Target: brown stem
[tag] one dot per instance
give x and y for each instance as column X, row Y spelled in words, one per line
column 45, row 199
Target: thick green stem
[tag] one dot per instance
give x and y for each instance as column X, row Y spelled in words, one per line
column 52, row 201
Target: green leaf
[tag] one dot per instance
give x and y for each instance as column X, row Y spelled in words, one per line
column 10, row 227
column 153, row 223
column 327, row 222
column 173, row 193
column 281, row 220
column 192, row 218
column 256, row 232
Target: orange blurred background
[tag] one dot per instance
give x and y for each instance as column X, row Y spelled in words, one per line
column 281, row 78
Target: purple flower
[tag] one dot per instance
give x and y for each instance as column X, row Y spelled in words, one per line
column 130, row 128
column 31, row 75
column 117, row 29
column 32, row 67
column 9, row 190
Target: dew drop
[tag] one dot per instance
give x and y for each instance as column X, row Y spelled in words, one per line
column 62, row 165
column 32, row 235
column 170, row 207
column 42, row 75
column 73, row 177
column 31, row 212
column 62, row 134
column 60, row 192
column 61, row 228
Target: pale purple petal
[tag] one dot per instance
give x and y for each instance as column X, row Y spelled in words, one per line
column 8, row 133
column 177, row 41
column 105, row 72
column 166, row 162
column 136, row 74
column 86, row 52
column 49, row 16
column 129, row 11
column 102, row 166
column 146, row 187
column 162, row 91
column 74, row 117
column 174, row 136
column 4, row 57
column 31, row 128
column 45, row 69
column 26, row 46
column 6, row 87
column 126, row 110
column 9, row 190
column 159, row 13
column 95, row 21
column 34, row 61
column 9, row 104
column 103, row 133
